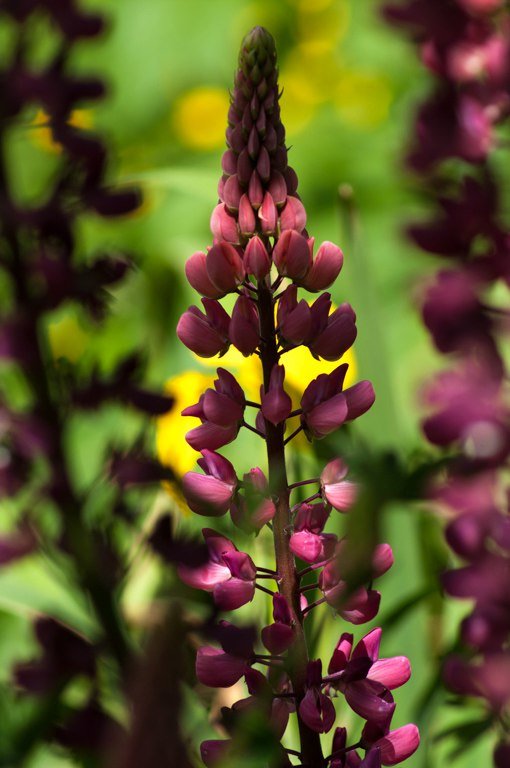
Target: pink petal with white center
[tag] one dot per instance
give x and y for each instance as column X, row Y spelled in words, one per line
column 206, row 577
column 241, row 565
column 392, row 673
column 342, row 495
column 206, row 495
column 399, row 744
column 232, row 594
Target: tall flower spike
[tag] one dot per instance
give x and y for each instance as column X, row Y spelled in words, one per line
column 258, row 230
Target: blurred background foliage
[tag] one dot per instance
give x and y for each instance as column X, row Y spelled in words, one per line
column 349, row 86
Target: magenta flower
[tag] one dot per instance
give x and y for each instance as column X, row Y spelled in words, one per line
column 253, row 508
column 212, row 493
column 335, row 489
column 229, row 574
column 256, row 259
column 308, row 541
column 225, row 267
column 206, row 335
column 198, row 278
column 221, row 412
column 325, row 268
column 331, row 335
column 294, row 318
column 326, row 407
column 397, row 745
column 363, row 678
column 291, row 255
column 224, row 225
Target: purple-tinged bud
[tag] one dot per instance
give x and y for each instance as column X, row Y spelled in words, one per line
column 278, row 189
column 366, row 698
column 398, row 745
column 232, row 193
column 337, row 336
column 212, row 493
column 255, row 190
column 196, row 273
column 360, row 397
column 225, row 267
column 294, row 318
column 268, row 215
column 214, row 752
column 247, row 221
column 256, row 258
column 325, row 268
column 229, row 162
column 337, row 491
column 324, row 404
column 308, row 541
column 316, row 709
column 293, row 215
column 217, row 669
column 341, row 654
column 291, row 255
column 244, row 330
column 221, row 411
column 276, row 403
column 277, row 637
column 206, row 335
column 223, row 225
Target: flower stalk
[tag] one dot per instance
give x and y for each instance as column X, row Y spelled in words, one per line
column 262, row 253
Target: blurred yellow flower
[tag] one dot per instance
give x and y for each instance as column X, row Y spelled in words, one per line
column 363, row 99
column 172, row 449
column 41, row 131
column 67, row 338
column 199, row 117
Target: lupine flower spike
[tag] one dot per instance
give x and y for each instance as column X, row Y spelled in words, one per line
column 466, row 46
column 261, row 252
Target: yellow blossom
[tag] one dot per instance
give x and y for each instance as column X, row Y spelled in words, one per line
column 199, row 117
column 363, row 98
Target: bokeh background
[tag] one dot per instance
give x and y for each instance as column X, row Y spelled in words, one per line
column 349, row 88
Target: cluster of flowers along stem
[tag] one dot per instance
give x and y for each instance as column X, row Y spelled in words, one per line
column 466, row 45
column 262, row 253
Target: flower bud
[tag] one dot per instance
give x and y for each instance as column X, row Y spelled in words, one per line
column 276, row 403
column 225, row 267
column 206, row 335
column 244, row 330
column 255, row 191
column 268, row 215
column 196, row 272
column 223, row 225
column 247, row 222
column 256, row 258
column 291, row 255
column 293, row 215
column 232, row 193
column 325, row 268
